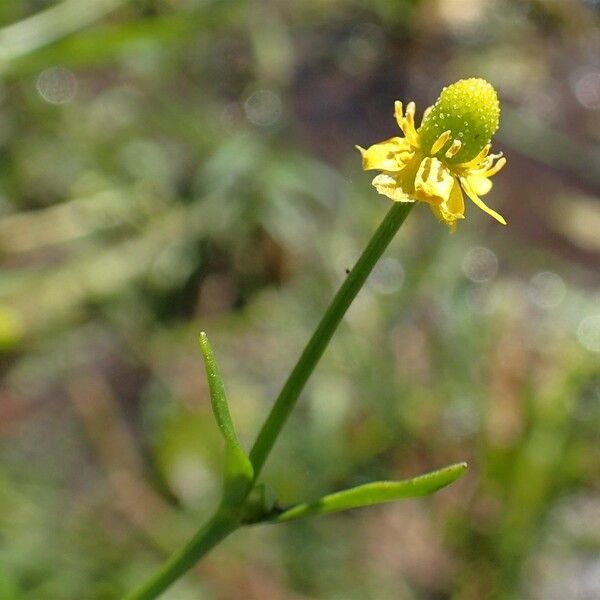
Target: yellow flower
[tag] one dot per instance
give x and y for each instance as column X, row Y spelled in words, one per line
column 448, row 154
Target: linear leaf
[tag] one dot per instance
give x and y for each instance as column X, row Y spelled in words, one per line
column 238, row 471
column 218, row 398
column 377, row 492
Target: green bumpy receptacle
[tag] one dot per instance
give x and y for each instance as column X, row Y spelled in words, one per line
column 468, row 108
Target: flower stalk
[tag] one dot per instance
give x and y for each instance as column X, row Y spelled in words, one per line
column 323, row 333
column 214, row 531
column 229, row 516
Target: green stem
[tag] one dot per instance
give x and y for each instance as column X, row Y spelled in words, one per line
column 318, row 342
column 210, row 534
column 219, row 527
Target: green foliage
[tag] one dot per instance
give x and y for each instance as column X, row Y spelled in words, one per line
column 238, row 473
column 370, row 494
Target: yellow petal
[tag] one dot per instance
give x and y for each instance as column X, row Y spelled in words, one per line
column 433, row 182
column 479, row 202
column 391, row 185
column 453, row 210
column 456, row 202
column 481, row 185
column 389, row 155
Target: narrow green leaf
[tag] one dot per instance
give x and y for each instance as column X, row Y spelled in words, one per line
column 218, row 398
column 238, row 471
column 377, row 492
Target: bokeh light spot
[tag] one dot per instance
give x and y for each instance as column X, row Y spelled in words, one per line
column 57, row 85
column 546, row 289
column 480, row 264
column 263, row 108
column 387, row 277
column 586, row 88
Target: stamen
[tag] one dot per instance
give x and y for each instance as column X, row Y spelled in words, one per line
column 454, row 148
column 406, row 122
column 398, row 113
column 474, row 162
column 439, row 143
column 481, row 156
column 488, row 162
column 426, row 112
column 427, row 168
column 410, row 117
column 493, row 170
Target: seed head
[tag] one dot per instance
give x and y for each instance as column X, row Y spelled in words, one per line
column 470, row 110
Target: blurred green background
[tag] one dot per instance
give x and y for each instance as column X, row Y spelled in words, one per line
column 168, row 166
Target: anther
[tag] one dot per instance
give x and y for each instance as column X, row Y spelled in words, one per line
column 398, row 112
column 493, row 170
column 484, row 152
column 439, row 143
column 454, row 148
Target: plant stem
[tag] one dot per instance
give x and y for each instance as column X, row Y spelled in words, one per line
column 318, row 342
column 220, row 526
column 210, row 534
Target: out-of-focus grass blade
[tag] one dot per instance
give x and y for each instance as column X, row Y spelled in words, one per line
column 49, row 25
column 238, row 472
column 377, row 492
column 104, row 44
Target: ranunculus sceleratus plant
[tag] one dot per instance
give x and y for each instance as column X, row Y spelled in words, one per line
column 447, row 155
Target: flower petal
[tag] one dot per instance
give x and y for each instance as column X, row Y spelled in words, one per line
column 389, row 155
column 456, row 202
column 433, row 182
column 479, row 202
column 481, row 185
column 391, row 185
column 453, row 210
